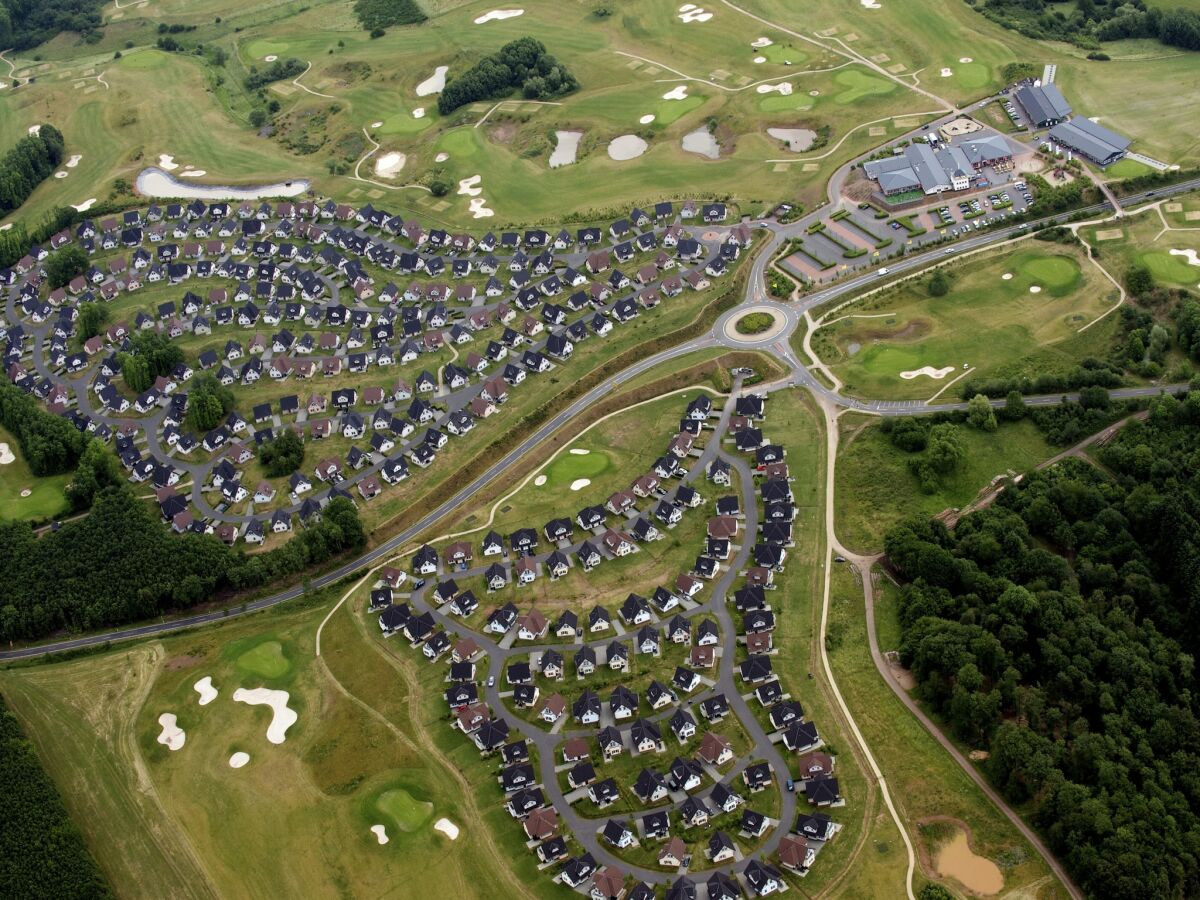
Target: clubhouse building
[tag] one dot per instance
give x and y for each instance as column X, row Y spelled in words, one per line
column 937, row 166
column 1099, row 144
column 1044, row 104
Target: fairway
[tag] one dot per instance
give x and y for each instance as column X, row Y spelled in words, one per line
column 859, row 84
column 570, row 466
column 986, row 323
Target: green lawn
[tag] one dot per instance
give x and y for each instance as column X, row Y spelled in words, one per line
column 266, row 659
column 405, row 811
column 988, row 322
column 875, row 488
column 1126, row 168
column 46, row 499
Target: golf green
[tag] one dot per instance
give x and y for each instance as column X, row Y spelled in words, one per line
column 668, row 111
column 783, row 56
column 777, row 103
column 571, row 466
column 145, row 59
column 971, row 75
column 406, row 812
column 1174, row 269
column 404, row 123
column 1057, row 274
column 256, row 50
column 266, row 659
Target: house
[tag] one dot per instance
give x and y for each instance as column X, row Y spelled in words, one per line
column 656, row 824
column 815, row 827
column 763, row 878
column 715, row 749
column 719, row 848
column 650, row 786
column 603, row 793
column 795, row 854
column 757, row 776
column 541, row 824
column 531, row 626
column 608, row 884
column 646, row 737
column 619, row 834
column 694, row 812
column 686, row 774
column 610, row 742
column 683, row 724
column 822, row 791
column 553, row 708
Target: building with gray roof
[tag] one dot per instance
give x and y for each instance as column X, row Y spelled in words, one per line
column 1096, row 142
column 1044, row 104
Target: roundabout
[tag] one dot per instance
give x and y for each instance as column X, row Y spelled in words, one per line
column 755, row 325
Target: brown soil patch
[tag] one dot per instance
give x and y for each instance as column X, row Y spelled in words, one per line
column 1032, row 164
column 186, row 661
column 914, row 330
column 504, row 132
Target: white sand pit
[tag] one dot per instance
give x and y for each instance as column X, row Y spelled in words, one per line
column 566, row 147
column 7, row 225
column 689, row 13
column 193, row 173
column 376, row 124
column 1034, row 289
column 434, row 83
column 60, row 174
column 946, row 73
column 479, row 209
column 85, row 205
column 74, row 161
column 646, row 119
column 626, row 147
column 283, row 718
column 870, row 4
column 469, row 187
column 783, row 88
column 1007, row 276
column 676, row 93
column 759, row 43
column 6, row 455
column 172, row 735
column 579, row 451
column 580, row 483
column 965, row 59
column 759, row 60
column 390, row 164
column 26, row 492
column 239, row 759
column 166, row 161
column 539, row 481
column 814, row 93
column 419, row 112
column 204, row 687
column 446, row 827
column 271, row 58
column 497, row 14
column 441, row 157
column 927, row 370
column 1188, row 254
column 35, row 129
column 380, row 833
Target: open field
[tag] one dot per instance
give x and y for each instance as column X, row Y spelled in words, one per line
column 986, row 322
column 926, row 784
column 875, row 489
column 46, row 498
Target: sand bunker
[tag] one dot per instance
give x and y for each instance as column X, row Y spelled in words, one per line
column 646, row 119
column 580, row 483
column 702, row 142
column 977, row 873
column 85, row 205
column 193, row 173
column 441, row 157
column 26, row 492
column 796, row 139
column 166, row 161
column 7, row 225
column 239, row 759
column 539, row 481
column 60, row 174
column 783, row 88
column 627, row 146
column 271, row 58
column 390, row 164
column 446, row 827
column 965, row 59
column 380, row 833
column 566, row 146
column 689, row 13
column 6, row 455
column 74, row 161
column 479, row 209
column 376, row 124
column 676, row 93
column 946, row 73
column 35, row 129
column 204, row 687
column 927, row 370
column 283, row 718
column 434, row 83
column 579, row 451
column 1034, row 289
column 759, row 43
column 870, row 4
column 419, row 112
column 172, row 735
column 1189, row 255
column 469, row 187
column 154, row 182
column 497, row 14
column 758, row 60
column 1007, row 276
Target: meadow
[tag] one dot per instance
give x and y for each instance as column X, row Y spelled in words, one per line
column 1005, row 313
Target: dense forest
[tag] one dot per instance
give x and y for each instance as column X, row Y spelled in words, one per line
column 119, row 564
column 1058, row 630
column 1089, row 22
column 28, row 164
column 379, row 14
column 27, row 23
column 523, row 63
column 42, row 853
column 51, row 444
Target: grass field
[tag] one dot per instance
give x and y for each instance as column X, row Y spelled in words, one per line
column 875, row 490
column 1145, row 238
column 1126, row 168
column 46, row 499
column 987, row 322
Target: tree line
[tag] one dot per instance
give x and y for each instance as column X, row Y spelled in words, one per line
column 1087, row 23
column 27, row 23
column 27, row 165
column 376, row 15
column 42, row 853
column 276, row 71
column 51, row 444
column 523, row 63
column 119, row 564
column 1057, row 630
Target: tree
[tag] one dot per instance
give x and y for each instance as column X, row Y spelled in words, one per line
column 258, row 117
column 980, row 413
column 66, row 264
column 1014, row 407
column 1139, row 280
column 945, row 451
column 92, row 319
column 136, row 372
column 208, row 402
column 283, row 455
column 939, row 284
column 98, row 469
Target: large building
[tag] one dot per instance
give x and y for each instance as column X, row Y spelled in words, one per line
column 931, row 169
column 1044, row 104
column 1096, row 142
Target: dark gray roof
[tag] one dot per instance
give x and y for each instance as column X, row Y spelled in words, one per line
column 1090, row 139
